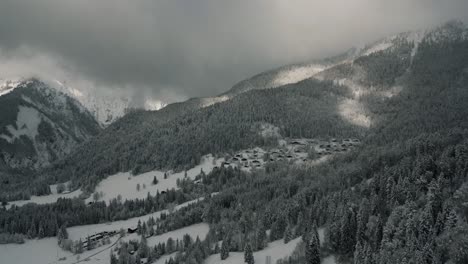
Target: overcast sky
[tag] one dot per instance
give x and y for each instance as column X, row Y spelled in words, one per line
column 174, row 49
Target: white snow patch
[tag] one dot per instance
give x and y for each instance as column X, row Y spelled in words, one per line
column 353, row 111
column 276, row 250
column 329, row 260
column 7, row 86
column 378, row 47
column 153, row 105
column 269, row 130
column 213, row 100
column 296, row 74
column 124, row 183
column 27, row 123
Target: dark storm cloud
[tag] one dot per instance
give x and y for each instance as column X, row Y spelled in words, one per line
column 177, row 48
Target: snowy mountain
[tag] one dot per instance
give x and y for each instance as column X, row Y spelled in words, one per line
column 39, row 124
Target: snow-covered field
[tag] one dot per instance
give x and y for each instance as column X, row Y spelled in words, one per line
column 276, row 250
column 125, row 184
column 46, row 251
column 197, row 230
column 83, row 231
column 46, row 199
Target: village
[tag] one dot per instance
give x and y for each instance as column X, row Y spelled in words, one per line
column 297, row 151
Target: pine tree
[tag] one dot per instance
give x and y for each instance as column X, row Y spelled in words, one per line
column 313, row 250
column 79, row 247
column 300, row 224
column 261, row 237
column 155, row 180
column 113, row 258
column 225, row 249
column 41, row 232
column 248, row 255
column 90, row 243
column 144, row 249
column 288, row 234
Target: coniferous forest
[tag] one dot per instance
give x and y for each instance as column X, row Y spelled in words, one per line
column 401, row 196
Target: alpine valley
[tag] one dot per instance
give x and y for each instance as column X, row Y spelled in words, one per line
column 357, row 158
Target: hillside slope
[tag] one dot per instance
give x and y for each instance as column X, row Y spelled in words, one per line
column 39, row 125
column 352, row 98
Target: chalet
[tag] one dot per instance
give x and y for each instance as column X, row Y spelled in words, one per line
column 235, row 159
column 289, row 157
column 297, row 143
column 334, row 140
column 131, row 230
column 244, row 159
column 256, row 162
column 239, row 155
column 272, row 160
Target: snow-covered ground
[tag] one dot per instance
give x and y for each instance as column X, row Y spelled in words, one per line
column 197, row 230
column 276, row 250
column 7, row 86
column 46, row 251
column 125, row 184
column 46, row 199
column 83, row 231
column 297, row 74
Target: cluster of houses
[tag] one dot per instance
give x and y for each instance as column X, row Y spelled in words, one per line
column 97, row 238
column 336, row 146
column 291, row 150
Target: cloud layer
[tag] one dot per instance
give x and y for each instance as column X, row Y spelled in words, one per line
column 174, row 49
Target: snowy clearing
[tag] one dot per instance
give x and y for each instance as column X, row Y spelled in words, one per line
column 124, row 184
column 197, row 230
column 276, row 250
column 77, row 232
column 297, row 74
column 46, row 251
column 46, row 199
column 27, row 124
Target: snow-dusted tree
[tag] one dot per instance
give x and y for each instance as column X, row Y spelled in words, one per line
column 225, row 249
column 288, row 235
column 313, row 250
column 248, row 254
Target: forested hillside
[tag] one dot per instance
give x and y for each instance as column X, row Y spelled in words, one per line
column 38, row 126
column 306, row 109
column 400, row 196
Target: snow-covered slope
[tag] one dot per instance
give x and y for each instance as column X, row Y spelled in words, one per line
column 39, row 124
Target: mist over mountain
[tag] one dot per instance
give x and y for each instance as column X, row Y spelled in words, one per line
column 131, row 135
